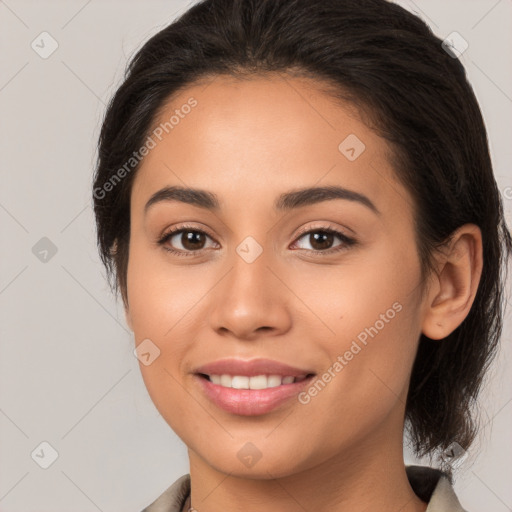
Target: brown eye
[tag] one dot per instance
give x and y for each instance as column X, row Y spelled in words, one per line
column 185, row 241
column 191, row 240
column 322, row 240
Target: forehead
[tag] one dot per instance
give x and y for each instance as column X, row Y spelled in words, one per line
column 248, row 137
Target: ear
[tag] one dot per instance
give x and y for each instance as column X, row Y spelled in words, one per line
column 454, row 285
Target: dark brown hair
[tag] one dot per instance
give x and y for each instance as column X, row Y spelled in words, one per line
column 386, row 62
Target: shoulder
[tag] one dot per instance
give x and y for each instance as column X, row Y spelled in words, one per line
column 435, row 488
column 173, row 498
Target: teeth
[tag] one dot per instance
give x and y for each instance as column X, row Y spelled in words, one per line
column 215, row 379
column 256, row 382
column 238, row 382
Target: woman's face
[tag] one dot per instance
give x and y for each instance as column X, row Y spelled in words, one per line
column 258, row 277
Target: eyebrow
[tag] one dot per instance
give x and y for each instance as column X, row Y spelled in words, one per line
column 285, row 202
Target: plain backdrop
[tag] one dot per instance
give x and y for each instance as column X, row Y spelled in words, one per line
column 68, row 376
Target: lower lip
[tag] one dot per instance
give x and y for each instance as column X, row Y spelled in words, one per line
column 251, row 402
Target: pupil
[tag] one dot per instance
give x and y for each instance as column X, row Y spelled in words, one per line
column 326, row 242
column 189, row 239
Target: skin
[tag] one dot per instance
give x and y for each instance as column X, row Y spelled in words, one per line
column 249, row 141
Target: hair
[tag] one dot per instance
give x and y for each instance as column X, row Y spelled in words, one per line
column 384, row 61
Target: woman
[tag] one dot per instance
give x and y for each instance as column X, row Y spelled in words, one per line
column 297, row 203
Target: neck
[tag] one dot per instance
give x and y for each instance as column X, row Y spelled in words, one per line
column 373, row 478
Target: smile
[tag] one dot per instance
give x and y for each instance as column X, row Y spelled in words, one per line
column 253, row 382
column 251, row 396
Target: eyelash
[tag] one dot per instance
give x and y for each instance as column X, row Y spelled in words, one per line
column 346, row 241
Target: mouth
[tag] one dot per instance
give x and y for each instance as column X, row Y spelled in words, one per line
column 253, row 381
column 254, row 395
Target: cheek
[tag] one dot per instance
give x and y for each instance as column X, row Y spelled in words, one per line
column 163, row 304
column 372, row 308
column 366, row 382
column 351, row 296
column 160, row 295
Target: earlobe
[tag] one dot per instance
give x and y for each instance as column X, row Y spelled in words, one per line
column 455, row 284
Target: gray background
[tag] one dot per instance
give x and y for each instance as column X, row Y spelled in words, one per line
column 67, row 371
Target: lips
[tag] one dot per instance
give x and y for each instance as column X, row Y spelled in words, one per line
column 213, row 379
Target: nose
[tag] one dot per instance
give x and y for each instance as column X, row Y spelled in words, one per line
column 251, row 300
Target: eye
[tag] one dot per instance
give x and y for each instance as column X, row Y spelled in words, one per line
column 321, row 240
column 189, row 241
column 184, row 240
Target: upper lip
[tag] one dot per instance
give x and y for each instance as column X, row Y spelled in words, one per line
column 251, row 368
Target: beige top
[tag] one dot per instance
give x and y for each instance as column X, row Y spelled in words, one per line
column 431, row 485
